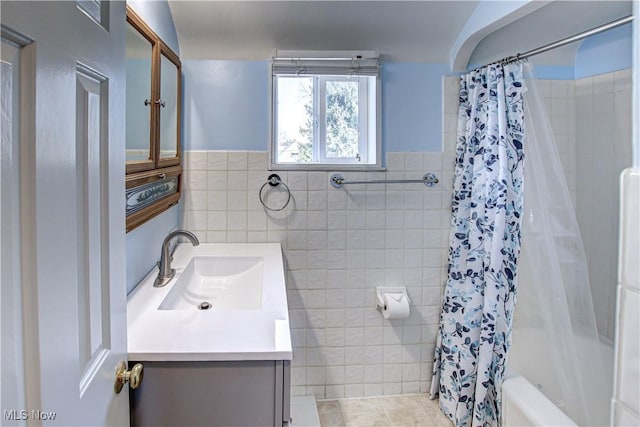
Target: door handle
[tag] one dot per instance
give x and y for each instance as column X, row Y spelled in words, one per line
column 133, row 376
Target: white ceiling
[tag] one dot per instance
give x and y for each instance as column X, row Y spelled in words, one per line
column 417, row 31
column 412, row 31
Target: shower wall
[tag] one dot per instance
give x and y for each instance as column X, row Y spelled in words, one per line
column 591, row 121
column 603, row 151
column 559, row 97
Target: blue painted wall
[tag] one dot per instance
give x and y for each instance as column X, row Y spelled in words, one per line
column 226, row 102
column 226, row 105
column 143, row 243
column 605, row 52
column 412, row 106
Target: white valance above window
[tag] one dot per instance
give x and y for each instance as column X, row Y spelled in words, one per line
column 341, row 62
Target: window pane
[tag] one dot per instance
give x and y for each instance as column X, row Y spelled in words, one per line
column 295, row 119
column 342, row 119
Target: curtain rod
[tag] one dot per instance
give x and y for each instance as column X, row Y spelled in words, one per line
column 565, row 41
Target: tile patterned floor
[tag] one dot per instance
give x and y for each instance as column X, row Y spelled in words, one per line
column 385, row 411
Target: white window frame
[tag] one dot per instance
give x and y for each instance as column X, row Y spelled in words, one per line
column 327, row 66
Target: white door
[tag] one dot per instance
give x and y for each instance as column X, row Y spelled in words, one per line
column 69, row 157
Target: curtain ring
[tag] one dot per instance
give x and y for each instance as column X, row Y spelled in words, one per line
column 274, row 180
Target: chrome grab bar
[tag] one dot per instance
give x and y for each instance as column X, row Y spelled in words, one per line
column 429, row 179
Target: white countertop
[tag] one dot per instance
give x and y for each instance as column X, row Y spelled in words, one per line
column 211, row 335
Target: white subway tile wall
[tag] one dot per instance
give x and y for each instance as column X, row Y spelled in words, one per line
column 339, row 244
column 591, row 123
column 602, row 152
column 559, row 98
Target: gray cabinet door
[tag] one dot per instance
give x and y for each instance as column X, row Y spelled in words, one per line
column 242, row 393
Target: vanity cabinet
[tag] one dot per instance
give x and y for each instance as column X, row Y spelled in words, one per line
column 153, row 163
column 228, row 365
column 220, row 393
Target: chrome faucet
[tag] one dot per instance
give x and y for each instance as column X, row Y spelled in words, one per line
column 166, row 273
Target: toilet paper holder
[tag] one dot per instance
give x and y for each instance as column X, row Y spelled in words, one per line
column 389, row 290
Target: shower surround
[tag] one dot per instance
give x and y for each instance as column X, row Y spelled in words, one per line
column 603, row 151
column 591, row 121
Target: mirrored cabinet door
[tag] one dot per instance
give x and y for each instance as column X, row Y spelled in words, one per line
column 169, row 129
column 154, row 172
column 139, row 137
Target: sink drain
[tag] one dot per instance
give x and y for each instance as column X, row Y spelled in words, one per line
column 205, row 305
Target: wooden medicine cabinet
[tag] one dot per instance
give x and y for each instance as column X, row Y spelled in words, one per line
column 153, row 96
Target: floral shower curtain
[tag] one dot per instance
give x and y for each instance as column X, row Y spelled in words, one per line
column 484, row 244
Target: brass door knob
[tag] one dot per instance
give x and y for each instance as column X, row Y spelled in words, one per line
column 133, row 376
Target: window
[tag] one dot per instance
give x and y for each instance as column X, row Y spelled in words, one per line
column 325, row 110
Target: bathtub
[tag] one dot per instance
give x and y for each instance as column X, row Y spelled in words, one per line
column 524, row 405
column 531, row 394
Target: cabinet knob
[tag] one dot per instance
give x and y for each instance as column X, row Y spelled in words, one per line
column 147, row 102
column 133, row 376
column 162, row 176
column 161, row 103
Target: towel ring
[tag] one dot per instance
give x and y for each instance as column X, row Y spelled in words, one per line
column 274, row 180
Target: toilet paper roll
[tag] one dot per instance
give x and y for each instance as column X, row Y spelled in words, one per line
column 396, row 306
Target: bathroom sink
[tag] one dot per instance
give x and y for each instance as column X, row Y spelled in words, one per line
column 247, row 317
column 217, row 283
